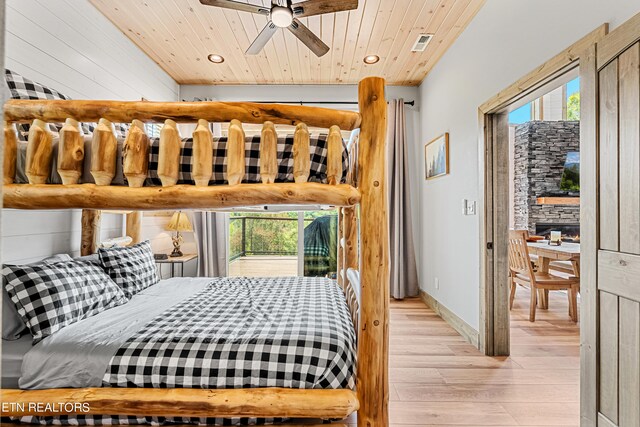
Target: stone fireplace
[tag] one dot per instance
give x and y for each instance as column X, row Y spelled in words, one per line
column 540, row 151
column 570, row 232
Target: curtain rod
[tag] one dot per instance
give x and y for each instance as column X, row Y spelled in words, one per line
column 410, row 103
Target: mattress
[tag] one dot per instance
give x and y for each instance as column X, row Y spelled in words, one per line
column 318, row 153
column 12, row 354
column 204, row 333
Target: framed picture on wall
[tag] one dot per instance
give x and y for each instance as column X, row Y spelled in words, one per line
column 436, row 157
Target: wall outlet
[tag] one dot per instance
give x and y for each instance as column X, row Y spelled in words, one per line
column 436, row 282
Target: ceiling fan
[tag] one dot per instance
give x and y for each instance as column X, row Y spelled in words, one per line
column 285, row 14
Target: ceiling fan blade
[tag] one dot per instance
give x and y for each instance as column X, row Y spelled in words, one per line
column 263, row 38
column 236, row 5
column 307, row 37
column 318, row 7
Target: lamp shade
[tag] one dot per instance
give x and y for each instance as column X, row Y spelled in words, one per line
column 179, row 222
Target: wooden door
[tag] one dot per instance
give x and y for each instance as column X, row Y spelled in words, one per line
column 610, row 196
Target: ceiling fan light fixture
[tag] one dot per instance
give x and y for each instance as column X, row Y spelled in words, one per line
column 371, row 59
column 215, row 58
column 281, row 16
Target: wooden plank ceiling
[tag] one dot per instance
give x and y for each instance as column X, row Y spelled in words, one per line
column 179, row 34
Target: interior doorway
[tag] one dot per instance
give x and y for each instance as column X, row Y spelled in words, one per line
column 544, row 205
column 539, row 204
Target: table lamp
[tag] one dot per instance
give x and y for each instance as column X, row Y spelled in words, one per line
column 179, row 222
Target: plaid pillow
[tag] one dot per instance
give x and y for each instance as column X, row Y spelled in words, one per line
column 51, row 296
column 132, row 268
column 12, row 323
column 23, row 88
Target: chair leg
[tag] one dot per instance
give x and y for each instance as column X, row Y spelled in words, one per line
column 532, row 306
column 569, row 293
column 543, row 298
column 574, row 303
column 513, row 295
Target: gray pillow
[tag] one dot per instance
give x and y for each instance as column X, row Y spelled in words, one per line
column 12, row 324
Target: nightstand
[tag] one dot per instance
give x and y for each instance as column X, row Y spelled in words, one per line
column 175, row 261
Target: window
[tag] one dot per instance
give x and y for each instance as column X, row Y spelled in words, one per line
column 152, row 130
column 521, row 115
column 573, row 99
column 283, row 244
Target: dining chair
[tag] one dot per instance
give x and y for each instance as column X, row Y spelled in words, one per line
column 524, row 274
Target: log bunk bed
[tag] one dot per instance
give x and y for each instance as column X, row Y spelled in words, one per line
column 362, row 248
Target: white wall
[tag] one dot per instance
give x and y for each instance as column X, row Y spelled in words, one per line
column 69, row 46
column 506, row 40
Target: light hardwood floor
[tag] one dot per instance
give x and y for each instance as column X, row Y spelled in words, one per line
column 439, row 379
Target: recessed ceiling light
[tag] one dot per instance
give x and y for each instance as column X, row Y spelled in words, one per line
column 371, row 59
column 216, row 59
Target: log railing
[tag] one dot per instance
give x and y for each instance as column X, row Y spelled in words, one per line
column 57, row 111
column 371, row 398
column 136, row 155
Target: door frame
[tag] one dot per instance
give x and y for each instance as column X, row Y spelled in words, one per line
column 494, row 193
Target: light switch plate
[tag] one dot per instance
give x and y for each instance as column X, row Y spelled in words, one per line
column 471, row 207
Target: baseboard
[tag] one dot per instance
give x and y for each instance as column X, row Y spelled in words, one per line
column 462, row 327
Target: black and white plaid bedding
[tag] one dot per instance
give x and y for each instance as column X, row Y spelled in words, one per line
column 49, row 297
column 317, row 148
column 238, row 333
column 132, row 268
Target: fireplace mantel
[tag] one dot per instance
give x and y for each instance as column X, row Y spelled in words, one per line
column 558, row 200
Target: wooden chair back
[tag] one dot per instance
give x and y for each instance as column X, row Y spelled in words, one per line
column 519, row 259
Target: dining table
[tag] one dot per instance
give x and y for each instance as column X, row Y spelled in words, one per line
column 546, row 253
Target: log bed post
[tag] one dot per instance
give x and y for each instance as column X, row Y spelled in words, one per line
column 135, row 165
column 39, row 152
column 342, row 272
column 301, row 153
column 235, row 153
column 90, row 231
column 373, row 356
column 10, row 153
column 104, row 150
column 202, row 158
column 334, row 156
column 70, row 152
column 350, row 233
column 268, row 153
column 169, row 154
column 134, row 222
